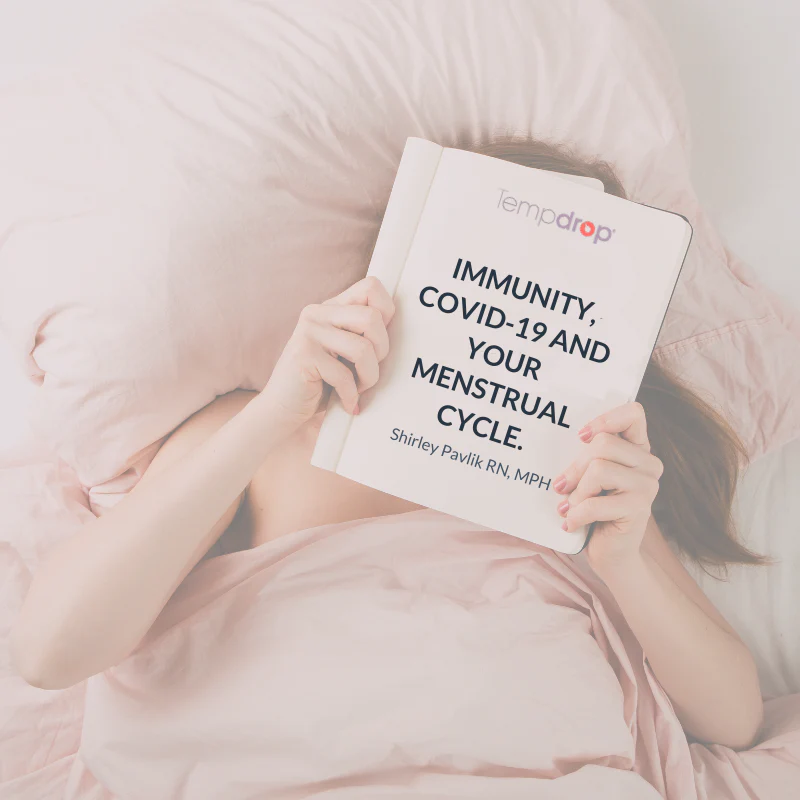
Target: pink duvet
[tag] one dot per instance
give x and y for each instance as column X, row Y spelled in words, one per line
column 414, row 655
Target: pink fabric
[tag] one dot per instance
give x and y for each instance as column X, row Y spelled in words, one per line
column 168, row 207
column 40, row 504
column 414, row 655
column 402, row 655
column 164, row 214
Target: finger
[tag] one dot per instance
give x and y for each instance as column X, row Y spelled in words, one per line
column 363, row 320
column 608, row 476
column 367, row 292
column 627, row 420
column 356, row 349
column 606, row 508
column 337, row 375
column 610, row 447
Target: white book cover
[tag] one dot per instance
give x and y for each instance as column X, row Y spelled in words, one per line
column 527, row 303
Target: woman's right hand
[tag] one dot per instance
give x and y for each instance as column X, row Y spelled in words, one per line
column 351, row 325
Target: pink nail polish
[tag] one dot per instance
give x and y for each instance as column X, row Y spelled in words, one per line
column 559, row 483
column 563, row 508
column 356, row 410
column 585, row 433
column 565, row 527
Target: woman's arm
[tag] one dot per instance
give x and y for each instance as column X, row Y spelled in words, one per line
column 97, row 595
column 702, row 664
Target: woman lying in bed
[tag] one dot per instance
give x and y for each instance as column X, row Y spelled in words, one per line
column 667, row 462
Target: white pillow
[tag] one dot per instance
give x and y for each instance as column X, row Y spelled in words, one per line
column 167, row 208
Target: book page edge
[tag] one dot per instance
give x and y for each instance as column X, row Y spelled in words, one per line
column 407, row 200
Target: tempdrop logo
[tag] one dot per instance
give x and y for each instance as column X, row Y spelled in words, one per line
column 591, row 231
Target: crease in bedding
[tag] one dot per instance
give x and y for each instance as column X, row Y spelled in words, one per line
column 414, row 655
column 411, row 655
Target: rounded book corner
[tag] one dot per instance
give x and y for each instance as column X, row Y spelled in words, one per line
column 585, row 543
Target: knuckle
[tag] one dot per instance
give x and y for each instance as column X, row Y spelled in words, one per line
column 368, row 381
column 308, row 313
column 596, row 468
column 658, row 465
column 364, row 347
column 648, row 489
column 308, row 371
column 589, row 507
column 369, row 365
column 570, row 473
column 603, row 441
column 581, row 512
column 373, row 316
column 638, row 408
column 343, row 373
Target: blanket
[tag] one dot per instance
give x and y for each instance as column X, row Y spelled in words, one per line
column 411, row 655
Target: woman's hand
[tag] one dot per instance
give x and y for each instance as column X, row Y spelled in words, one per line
column 351, row 325
column 613, row 484
column 704, row 667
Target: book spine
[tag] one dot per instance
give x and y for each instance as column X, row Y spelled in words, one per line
column 407, row 200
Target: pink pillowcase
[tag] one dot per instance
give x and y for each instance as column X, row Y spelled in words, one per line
column 167, row 209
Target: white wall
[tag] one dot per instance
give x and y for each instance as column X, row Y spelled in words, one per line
column 740, row 65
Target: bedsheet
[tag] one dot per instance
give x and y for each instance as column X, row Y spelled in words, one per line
column 42, row 502
column 412, row 655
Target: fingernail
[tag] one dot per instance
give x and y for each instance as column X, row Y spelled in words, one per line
column 356, row 410
column 565, row 526
column 585, row 433
column 562, row 509
column 559, row 483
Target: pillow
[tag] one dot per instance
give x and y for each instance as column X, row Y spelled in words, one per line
column 169, row 206
column 17, row 442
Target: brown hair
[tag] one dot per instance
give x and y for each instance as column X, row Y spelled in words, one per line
column 700, row 451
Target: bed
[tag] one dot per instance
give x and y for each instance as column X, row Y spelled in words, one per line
column 56, row 471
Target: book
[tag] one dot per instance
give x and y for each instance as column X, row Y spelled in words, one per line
column 527, row 303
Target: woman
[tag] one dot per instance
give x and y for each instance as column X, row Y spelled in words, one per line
column 665, row 463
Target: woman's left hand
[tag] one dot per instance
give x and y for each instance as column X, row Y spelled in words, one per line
column 613, row 484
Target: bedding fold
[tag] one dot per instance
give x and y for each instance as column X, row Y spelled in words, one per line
column 412, row 655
